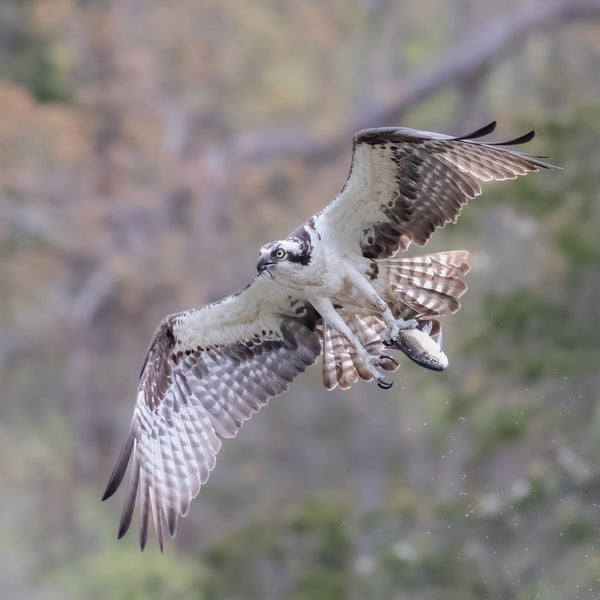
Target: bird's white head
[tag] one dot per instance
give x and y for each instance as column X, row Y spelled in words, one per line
column 286, row 260
column 283, row 257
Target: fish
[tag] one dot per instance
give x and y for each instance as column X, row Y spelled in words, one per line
column 421, row 348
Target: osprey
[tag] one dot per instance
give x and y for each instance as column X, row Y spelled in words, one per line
column 336, row 287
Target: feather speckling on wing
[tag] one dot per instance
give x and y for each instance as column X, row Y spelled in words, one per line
column 191, row 392
column 404, row 184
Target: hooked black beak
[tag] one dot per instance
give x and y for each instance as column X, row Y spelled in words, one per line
column 264, row 262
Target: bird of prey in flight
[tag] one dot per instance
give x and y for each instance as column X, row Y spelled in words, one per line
column 338, row 287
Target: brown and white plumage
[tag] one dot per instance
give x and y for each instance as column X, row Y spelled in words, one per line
column 206, row 372
column 404, row 183
column 333, row 286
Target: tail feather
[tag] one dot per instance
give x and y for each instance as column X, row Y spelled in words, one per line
column 341, row 364
column 423, row 286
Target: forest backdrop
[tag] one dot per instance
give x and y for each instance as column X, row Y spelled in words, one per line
column 148, row 149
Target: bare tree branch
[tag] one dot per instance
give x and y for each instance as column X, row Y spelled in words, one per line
column 474, row 55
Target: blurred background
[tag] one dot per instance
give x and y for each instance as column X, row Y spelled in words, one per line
column 148, row 149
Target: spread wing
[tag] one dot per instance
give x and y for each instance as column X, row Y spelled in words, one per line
column 403, row 184
column 206, row 372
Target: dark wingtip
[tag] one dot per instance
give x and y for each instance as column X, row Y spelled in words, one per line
column 122, row 530
column 120, row 468
column 127, row 513
column 172, row 521
column 108, row 492
column 112, row 485
column 485, row 130
column 126, row 516
column 522, row 139
column 130, row 498
column 143, row 541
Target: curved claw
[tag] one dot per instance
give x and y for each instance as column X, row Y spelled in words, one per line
column 373, row 365
column 388, row 357
column 383, row 384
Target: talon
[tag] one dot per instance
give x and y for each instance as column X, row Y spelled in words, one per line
column 407, row 324
column 427, row 327
column 384, row 385
column 392, row 333
column 388, row 357
column 373, row 365
column 389, row 337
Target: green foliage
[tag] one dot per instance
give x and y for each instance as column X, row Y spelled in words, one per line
column 305, row 556
column 578, row 251
column 529, row 336
column 121, row 574
column 500, row 426
column 34, row 61
column 532, row 197
column 572, row 521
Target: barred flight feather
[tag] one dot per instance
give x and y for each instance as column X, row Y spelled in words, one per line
column 424, row 285
column 191, row 394
column 404, row 184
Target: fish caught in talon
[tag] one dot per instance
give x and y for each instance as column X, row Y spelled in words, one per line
column 422, row 349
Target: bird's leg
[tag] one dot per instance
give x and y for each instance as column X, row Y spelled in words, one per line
column 393, row 326
column 326, row 309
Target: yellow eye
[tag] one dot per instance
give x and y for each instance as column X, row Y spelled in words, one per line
column 280, row 253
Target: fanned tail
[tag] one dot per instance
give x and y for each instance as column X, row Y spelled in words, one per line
column 423, row 286
column 341, row 364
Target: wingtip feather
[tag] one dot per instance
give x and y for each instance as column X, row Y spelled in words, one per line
column 130, row 498
column 126, row 517
column 522, row 139
column 485, row 130
column 120, row 468
column 157, row 516
column 143, row 538
column 144, row 510
column 172, row 521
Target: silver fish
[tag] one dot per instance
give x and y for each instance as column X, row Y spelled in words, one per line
column 421, row 348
